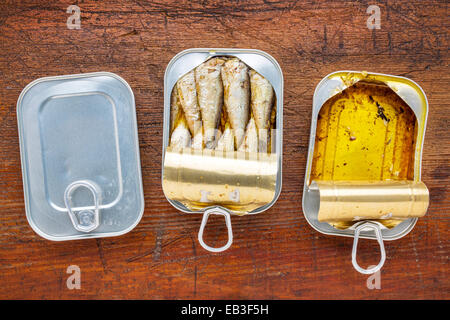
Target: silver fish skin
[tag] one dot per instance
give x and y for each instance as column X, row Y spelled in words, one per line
column 226, row 140
column 261, row 102
column 197, row 140
column 175, row 109
column 210, row 97
column 181, row 137
column 250, row 142
column 187, row 93
column 236, row 85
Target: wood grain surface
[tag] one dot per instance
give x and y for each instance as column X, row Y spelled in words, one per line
column 276, row 254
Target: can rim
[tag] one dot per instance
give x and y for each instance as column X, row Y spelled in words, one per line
column 338, row 232
column 230, row 51
column 23, row 157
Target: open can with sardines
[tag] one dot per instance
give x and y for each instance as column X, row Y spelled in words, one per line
column 222, row 140
column 364, row 161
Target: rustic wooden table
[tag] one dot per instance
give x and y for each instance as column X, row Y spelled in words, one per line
column 276, row 254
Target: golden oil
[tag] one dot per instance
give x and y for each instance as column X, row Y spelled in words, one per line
column 366, row 132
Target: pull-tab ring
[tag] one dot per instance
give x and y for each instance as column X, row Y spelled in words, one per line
column 377, row 230
column 221, row 212
column 87, row 219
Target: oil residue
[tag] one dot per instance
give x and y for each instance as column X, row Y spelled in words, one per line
column 366, row 132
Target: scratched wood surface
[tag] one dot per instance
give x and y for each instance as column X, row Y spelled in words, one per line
column 276, row 254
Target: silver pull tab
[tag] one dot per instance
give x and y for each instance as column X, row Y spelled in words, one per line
column 85, row 220
column 221, row 212
column 376, row 228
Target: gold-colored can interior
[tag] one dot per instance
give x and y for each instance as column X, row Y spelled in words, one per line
column 365, row 157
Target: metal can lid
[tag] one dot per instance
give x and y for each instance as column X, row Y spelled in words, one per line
column 80, row 156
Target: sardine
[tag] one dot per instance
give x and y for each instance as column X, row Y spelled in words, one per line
column 262, row 98
column 210, row 97
column 175, row 109
column 197, row 140
column 250, row 142
column 181, row 137
column 273, row 126
column 226, row 140
column 236, row 85
column 187, row 93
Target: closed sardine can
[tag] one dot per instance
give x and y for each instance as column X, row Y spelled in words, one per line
column 80, row 156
